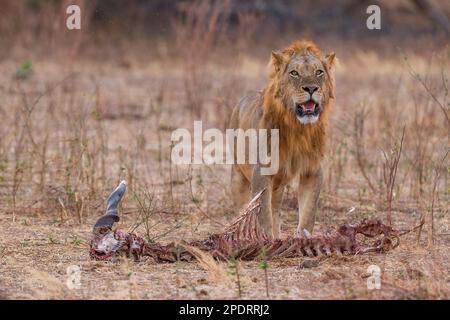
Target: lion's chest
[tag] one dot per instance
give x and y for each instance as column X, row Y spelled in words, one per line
column 299, row 159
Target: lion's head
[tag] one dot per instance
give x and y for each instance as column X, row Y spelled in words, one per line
column 303, row 80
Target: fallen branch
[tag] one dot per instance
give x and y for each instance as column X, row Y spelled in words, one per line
column 243, row 239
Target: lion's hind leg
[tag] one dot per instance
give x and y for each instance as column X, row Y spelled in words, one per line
column 240, row 189
column 277, row 197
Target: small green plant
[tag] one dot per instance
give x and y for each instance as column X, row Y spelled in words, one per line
column 76, row 242
column 24, row 71
column 52, row 240
column 234, row 271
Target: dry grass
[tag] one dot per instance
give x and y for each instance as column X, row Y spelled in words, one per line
column 70, row 133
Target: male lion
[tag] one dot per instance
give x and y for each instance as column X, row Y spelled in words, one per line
column 297, row 101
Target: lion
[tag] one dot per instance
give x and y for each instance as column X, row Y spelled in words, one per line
column 297, row 102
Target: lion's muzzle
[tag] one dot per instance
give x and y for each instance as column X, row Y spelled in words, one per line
column 307, row 109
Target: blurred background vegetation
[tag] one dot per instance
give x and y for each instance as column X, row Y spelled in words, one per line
column 159, row 26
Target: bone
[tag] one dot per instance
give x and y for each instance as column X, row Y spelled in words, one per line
column 306, row 234
column 309, row 252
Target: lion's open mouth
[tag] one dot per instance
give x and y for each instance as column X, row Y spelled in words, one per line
column 309, row 108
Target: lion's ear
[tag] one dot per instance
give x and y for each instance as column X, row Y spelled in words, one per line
column 277, row 60
column 330, row 59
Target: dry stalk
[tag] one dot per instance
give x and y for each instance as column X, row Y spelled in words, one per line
column 358, row 135
column 438, row 169
column 390, row 167
column 422, row 82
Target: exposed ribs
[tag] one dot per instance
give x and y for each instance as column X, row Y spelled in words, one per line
column 244, row 239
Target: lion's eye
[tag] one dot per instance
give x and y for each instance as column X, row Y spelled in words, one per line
column 319, row 73
column 294, row 74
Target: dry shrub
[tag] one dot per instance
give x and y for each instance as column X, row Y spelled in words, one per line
column 211, row 49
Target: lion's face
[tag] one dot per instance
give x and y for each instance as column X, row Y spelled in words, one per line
column 305, row 83
column 304, row 86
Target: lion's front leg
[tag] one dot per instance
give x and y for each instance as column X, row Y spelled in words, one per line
column 260, row 182
column 308, row 197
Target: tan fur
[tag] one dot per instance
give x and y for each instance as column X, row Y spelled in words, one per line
column 302, row 146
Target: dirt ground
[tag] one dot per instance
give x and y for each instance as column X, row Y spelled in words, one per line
column 36, row 253
column 71, row 131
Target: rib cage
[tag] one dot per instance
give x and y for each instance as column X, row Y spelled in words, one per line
column 245, row 239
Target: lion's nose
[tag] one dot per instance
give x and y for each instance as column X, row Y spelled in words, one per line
column 310, row 89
